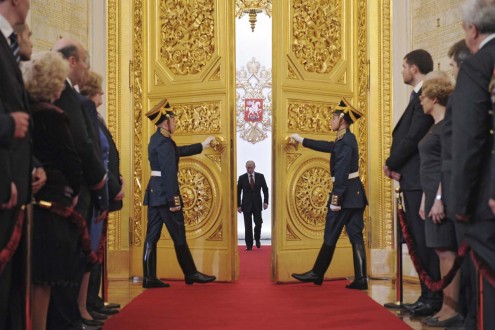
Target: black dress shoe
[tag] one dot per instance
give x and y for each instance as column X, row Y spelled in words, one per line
column 424, row 309
column 309, row 277
column 258, row 243
column 455, row 320
column 91, row 323
column 149, row 283
column 98, row 316
column 412, row 306
column 358, row 284
column 112, row 305
column 249, row 248
column 107, row 311
column 199, row 278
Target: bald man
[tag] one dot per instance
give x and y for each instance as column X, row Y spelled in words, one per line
column 249, row 186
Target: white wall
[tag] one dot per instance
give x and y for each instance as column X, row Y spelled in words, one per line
column 257, row 44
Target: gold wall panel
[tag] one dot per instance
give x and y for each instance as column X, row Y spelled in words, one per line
column 198, row 118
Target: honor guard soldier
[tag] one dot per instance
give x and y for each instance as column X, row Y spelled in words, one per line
column 164, row 200
column 347, row 199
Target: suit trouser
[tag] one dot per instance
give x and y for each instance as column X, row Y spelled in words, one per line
column 353, row 221
column 426, row 255
column 12, row 278
column 249, row 216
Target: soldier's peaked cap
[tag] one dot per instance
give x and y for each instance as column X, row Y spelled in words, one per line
column 160, row 112
column 347, row 111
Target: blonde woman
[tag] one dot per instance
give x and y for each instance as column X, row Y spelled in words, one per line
column 439, row 230
column 56, row 245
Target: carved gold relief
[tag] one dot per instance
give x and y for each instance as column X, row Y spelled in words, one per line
column 217, row 159
column 137, row 93
column 316, row 33
column 112, row 102
column 290, row 235
column 187, row 34
column 217, row 235
column 308, row 197
column 198, row 118
column 309, row 117
column 200, row 196
column 254, row 103
column 291, row 158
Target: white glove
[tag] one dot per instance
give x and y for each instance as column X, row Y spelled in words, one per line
column 335, row 208
column 297, row 137
column 207, row 141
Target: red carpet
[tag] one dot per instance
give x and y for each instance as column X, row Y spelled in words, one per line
column 254, row 302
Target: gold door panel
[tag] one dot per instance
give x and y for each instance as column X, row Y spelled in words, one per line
column 181, row 51
column 319, row 55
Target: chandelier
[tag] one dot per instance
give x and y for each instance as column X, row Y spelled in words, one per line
column 253, row 7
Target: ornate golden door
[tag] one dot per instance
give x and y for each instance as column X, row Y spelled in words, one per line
column 319, row 55
column 183, row 50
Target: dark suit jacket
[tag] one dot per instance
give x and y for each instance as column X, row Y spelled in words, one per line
column 344, row 160
column 251, row 199
column 163, row 155
column 83, row 135
column 471, row 137
column 15, row 154
column 404, row 155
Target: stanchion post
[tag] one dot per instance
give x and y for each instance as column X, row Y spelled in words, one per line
column 398, row 258
column 27, row 284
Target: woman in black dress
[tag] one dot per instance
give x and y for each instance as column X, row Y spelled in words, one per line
column 56, row 250
column 440, row 231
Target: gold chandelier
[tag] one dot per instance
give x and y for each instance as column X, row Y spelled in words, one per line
column 253, row 7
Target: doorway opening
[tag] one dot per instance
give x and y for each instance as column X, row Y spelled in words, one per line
column 254, row 108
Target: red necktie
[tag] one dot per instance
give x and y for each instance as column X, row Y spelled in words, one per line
column 251, row 181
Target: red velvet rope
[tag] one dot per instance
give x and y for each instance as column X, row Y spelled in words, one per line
column 423, row 275
column 8, row 251
column 80, row 222
column 483, row 268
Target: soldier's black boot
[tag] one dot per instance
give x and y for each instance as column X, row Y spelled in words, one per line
column 320, row 267
column 149, row 268
column 188, row 267
column 360, row 275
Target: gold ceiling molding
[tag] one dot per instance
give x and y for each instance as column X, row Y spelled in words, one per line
column 200, row 118
column 309, row 117
column 137, row 144
column 308, row 197
column 187, row 35
column 200, row 197
column 317, row 34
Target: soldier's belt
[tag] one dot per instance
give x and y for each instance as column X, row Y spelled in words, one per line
column 156, row 173
column 351, row 176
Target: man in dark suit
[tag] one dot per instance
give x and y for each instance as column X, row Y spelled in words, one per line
column 15, row 165
column 347, row 199
column 64, row 311
column 472, row 140
column 249, row 185
column 164, row 199
column 403, row 166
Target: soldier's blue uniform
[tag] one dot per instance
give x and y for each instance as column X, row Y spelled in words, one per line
column 347, row 201
column 162, row 194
